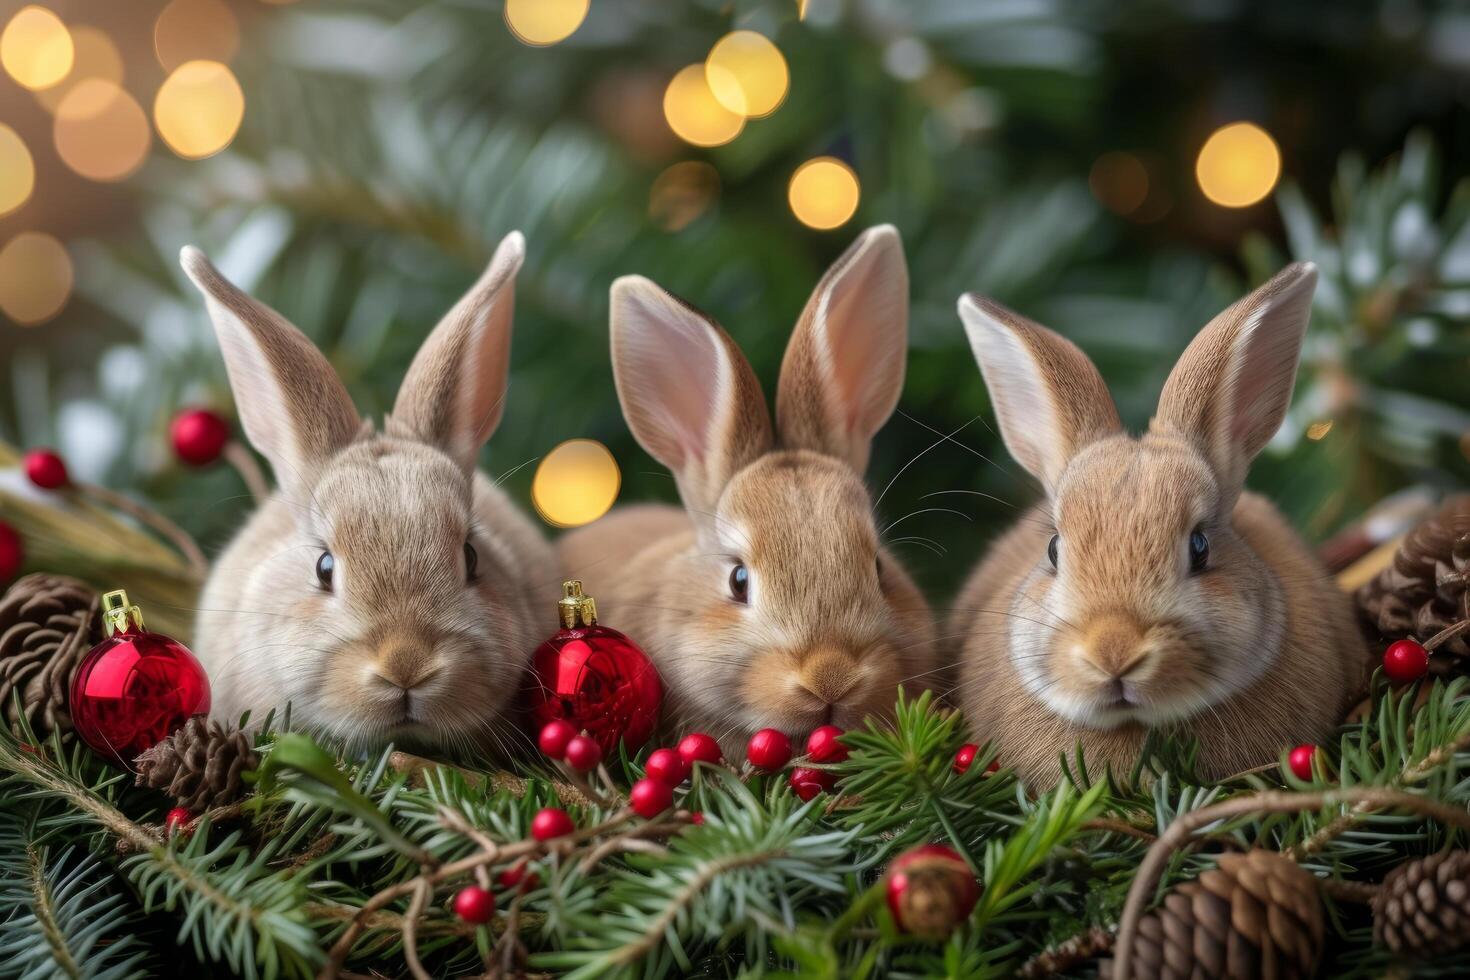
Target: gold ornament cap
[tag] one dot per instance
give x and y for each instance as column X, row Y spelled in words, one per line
column 576, row 608
column 118, row 615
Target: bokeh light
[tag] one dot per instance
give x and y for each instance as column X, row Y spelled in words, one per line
column 35, row 278
column 1119, row 181
column 747, row 74
column 100, row 131
column 36, row 48
column 542, row 22
column 1318, row 430
column 575, row 483
column 1238, row 165
column 17, row 170
column 96, row 57
column 693, row 112
column 682, row 193
column 195, row 30
column 824, row 193
column 198, row 109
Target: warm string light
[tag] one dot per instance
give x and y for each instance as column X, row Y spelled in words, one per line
column 1238, row 165
column 824, row 193
column 195, row 30
column 95, row 57
column 540, row 23
column 35, row 278
column 693, row 112
column 747, row 74
column 100, row 131
column 198, row 109
column 17, row 170
column 36, row 48
column 576, row 483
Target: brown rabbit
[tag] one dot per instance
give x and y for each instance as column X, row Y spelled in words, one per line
column 769, row 601
column 1147, row 590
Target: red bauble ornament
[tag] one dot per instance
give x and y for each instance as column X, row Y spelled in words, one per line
column 594, row 678
column 1300, row 761
column 822, row 745
column 1405, row 661
column 931, row 890
column 180, row 820
column 583, row 754
column 474, row 904
column 551, row 823
column 519, row 875
column 807, row 783
column 666, row 766
column 699, row 747
column 555, row 737
column 199, row 436
column 768, row 749
column 46, row 469
column 650, row 797
column 12, row 552
column 134, row 687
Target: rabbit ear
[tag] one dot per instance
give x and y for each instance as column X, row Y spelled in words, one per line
column 454, row 392
column 844, row 367
column 1049, row 398
column 688, row 394
column 1232, row 386
column 292, row 405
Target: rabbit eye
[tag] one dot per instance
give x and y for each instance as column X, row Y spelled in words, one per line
column 1199, row 551
column 324, row 565
column 740, row 584
column 471, row 561
column 1051, row 549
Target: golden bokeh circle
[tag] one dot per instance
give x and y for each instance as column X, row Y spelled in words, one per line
column 96, row 57
column 36, row 48
column 195, row 30
column 17, row 170
column 543, row 22
column 747, row 74
column 824, row 193
column 1119, row 181
column 576, row 483
column 35, row 278
column 100, row 131
column 198, row 109
column 1238, row 165
column 693, row 112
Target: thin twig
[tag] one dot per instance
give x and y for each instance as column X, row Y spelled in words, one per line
column 421, row 894
column 166, row 528
column 244, row 463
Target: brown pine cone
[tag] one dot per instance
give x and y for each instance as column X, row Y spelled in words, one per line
column 1423, row 908
column 199, row 765
column 1255, row 915
column 1424, row 589
column 47, row 624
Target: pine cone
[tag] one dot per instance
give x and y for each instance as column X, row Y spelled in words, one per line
column 1424, row 589
column 1255, row 915
column 199, row 765
column 47, row 624
column 1423, row 908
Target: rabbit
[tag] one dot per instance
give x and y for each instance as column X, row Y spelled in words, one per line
column 1148, row 590
column 387, row 590
column 769, row 600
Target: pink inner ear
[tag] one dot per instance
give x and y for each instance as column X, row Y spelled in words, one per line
column 866, row 333
column 1261, row 382
column 674, row 379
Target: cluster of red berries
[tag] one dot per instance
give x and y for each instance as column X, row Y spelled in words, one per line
column 770, row 750
column 476, row 905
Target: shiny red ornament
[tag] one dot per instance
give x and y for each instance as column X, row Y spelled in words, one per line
column 594, row 678
column 931, row 890
column 823, row 744
column 180, row 820
column 474, row 904
column 583, row 754
column 199, row 436
column 699, row 747
column 1300, row 761
column 666, row 766
column 555, row 737
column 1405, row 661
column 519, row 874
column 768, row 749
column 46, row 469
column 12, row 552
column 135, row 687
column 807, row 783
column 649, row 798
column 551, row 823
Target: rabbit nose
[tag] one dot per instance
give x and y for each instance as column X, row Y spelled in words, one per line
column 829, row 675
column 405, row 665
column 1114, row 644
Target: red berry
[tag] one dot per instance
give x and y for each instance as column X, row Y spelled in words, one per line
column 551, row 823
column 583, row 754
column 519, row 874
column 965, row 756
column 180, row 820
column 46, row 469
column 1405, row 661
column 697, row 818
column 1301, row 761
column 993, row 767
column 474, row 904
column 807, row 783
column 199, row 436
column 666, row 766
column 822, row 745
column 12, row 552
column 650, row 797
column 768, row 749
column 555, row 738
column 699, row 747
